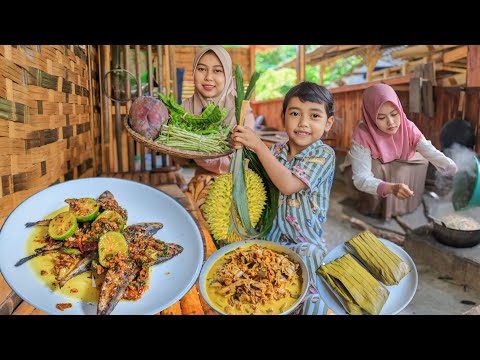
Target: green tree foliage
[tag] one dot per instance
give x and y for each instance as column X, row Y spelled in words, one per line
column 276, row 81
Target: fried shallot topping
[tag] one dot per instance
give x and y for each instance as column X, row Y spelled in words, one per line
column 255, row 275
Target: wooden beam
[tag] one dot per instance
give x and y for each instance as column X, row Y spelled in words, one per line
column 300, row 63
column 453, row 80
column 455, row 54
column 416, row 51
column 473, row 67
column 395, row 81
column 441, row 67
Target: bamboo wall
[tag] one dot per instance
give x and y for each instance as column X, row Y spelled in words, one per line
column 348, row 113
column 46, row 133
column 184, row 56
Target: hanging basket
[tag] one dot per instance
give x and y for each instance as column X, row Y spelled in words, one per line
column 186, row 154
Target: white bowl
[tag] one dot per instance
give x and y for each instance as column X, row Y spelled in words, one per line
column 247, row 243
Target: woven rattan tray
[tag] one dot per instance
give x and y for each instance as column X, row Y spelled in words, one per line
column 169, row 150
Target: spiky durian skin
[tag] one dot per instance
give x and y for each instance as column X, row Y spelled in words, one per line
column 218, row 203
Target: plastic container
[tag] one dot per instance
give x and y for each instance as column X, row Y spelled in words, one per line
column 137, row 162
column 148, row 161
column 159, row 162
column 466, row 188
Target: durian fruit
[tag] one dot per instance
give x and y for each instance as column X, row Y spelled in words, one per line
column 218, row 203
column 357, row 289
column 382, row 262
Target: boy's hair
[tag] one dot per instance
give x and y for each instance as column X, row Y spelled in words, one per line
column 309, row 91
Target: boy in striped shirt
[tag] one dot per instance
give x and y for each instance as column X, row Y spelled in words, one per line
column 302, row 169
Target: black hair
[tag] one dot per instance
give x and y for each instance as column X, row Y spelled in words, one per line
column 309, row 91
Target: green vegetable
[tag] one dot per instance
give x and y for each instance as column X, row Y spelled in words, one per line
column 62, row 226
column 208, row 142
column 251, row 85
column 109, row 245
column 240, row 92
column 111, row 216
column 84, row 209
column 268, row 216
column 70, row 251
column 244, row 229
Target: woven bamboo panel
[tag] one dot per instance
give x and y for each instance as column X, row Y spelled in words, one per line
column 45, row 124
column 184, row 56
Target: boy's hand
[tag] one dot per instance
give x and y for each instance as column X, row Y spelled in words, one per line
column 244, row 136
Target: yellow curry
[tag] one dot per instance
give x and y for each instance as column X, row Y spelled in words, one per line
column 254, row 280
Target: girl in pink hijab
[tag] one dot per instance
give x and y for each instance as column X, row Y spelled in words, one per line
column 214, row 82
column 389, row 157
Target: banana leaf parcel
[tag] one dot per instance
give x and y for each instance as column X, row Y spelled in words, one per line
column 358, row 291
column 382, row 262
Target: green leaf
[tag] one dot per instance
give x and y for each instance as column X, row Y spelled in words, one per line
column 251, row 85
column 268, row 216
column 240, row 92
column 244, row 229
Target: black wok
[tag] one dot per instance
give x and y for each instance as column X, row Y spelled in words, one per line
column 449, row 236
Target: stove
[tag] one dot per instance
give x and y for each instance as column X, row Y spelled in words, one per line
column 460, row 264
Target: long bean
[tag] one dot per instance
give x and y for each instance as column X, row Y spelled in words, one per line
column 179, row 138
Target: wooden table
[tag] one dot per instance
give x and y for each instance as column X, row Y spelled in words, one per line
column 191, row 304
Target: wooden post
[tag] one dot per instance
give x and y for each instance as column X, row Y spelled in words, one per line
column 473, row 65
column 105, row 125
column 118, row 116
column 173, row 72
column 131, row 142
column 168, row 90
column 90, row 100
column 149, row 67
column 321, row 74
column 137, row 70
column 371, row 58
column 161, row 87
column 252, row 65
column 139, row 93
column 300, row 63
column 160, row 79
column 167, row 74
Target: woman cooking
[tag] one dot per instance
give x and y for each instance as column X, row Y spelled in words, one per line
column 386, row 165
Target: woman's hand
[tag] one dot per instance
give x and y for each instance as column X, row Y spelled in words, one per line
column 244, row 136
column 451, row 169
column 401, row 191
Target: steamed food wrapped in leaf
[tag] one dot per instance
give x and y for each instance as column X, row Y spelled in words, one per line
column 383, row 263
column 358, row 290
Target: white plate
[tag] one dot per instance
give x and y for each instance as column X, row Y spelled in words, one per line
column 400, row 295
column 169, row 281
column 202, row 280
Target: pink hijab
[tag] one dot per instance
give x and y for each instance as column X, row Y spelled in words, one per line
column 226, row 99
column 385, row 147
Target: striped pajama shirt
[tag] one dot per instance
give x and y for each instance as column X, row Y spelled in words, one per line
column 300, row 216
